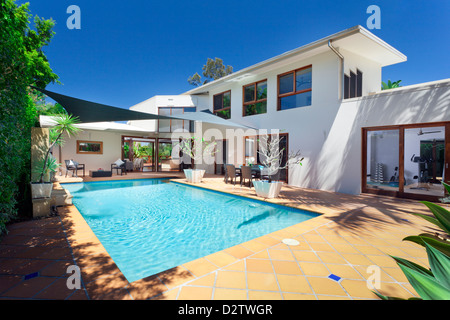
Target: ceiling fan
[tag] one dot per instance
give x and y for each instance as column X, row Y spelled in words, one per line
column 421, row 132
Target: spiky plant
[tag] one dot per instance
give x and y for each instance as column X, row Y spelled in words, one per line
column 64, row 124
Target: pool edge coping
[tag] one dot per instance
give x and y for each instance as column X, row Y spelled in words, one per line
column 119, row 276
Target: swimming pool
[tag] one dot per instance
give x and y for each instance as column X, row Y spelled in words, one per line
column 151, row 225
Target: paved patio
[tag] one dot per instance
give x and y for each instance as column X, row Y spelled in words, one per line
column 352, row 234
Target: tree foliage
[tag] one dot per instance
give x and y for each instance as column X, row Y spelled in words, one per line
column 212, row 70
column 22, row 63
column 390, row 85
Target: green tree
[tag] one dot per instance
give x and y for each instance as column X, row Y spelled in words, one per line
column 212, row 70
column 22, row 63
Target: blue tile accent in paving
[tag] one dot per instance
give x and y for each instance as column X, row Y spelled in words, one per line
column 31, row 276
column 334, row 277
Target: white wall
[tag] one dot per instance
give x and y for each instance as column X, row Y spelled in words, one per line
column 111, row 149
column 337, row 165
column 151, row 106
column 371, row 70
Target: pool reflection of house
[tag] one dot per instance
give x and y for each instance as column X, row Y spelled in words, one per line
column 325, row 99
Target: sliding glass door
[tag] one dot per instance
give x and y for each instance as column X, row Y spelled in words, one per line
column 408, row 161
column 424, row 160
column 383, row 160
column 140, row 151
column 165, row 160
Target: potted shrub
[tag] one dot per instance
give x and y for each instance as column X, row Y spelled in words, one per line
column 271, row 157
column 196, row 149
column 44, row 189
column 64, row 124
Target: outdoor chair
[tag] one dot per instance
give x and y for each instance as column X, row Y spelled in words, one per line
column 247, row 174
column 138, row 164
column 117, row 167
column 128, row 165
column 74, row 167
column 231, row 173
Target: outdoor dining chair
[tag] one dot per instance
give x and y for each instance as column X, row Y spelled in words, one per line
column 247, row 174
column 231, row 173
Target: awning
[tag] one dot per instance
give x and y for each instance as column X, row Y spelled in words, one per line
column 88, row 111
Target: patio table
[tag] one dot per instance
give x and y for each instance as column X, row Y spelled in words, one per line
column 257, row 170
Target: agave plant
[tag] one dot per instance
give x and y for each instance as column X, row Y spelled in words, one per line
column 432, row 283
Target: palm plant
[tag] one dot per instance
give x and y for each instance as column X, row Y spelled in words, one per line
column 390, row 85
column 65, row 124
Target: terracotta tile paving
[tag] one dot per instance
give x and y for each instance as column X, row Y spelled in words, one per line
column 353, row 234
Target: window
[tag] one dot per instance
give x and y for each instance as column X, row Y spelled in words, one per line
column 172, row 125
column 255, row 98
column 295, row 88
column 89, row 147
column 222, row 104
column 353, row 85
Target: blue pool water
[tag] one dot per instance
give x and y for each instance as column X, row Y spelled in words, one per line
column 150, row 225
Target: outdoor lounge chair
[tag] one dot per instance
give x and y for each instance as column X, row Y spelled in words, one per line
column 231, row 173
column 74, row 167
column 247, row 174
column 138, row 164
column 121, row 167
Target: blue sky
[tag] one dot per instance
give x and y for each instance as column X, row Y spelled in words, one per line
column 129, row 51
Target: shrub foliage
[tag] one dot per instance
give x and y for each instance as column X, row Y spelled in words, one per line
column 22, row 64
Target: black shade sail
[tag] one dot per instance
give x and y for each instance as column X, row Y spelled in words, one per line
column 88, row 111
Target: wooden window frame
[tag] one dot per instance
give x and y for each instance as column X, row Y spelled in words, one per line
column 222, row 109
column 401, row 193
column 255, row 100
column 89, row 152
column 288, row 94
column 171, row 119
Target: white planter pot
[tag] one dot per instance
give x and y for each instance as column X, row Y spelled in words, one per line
column 41, row 190
column 266, row 189
column 194, row 175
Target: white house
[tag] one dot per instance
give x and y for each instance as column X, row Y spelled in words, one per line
column 325, row 99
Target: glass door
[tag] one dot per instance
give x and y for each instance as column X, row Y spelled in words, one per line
column 382, row 156
column 409, row 161
column 165, row 160
column 424, row 160
column 140, row 151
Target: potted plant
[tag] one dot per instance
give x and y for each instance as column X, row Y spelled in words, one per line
column 196, row 149
column 271, row 158
column 64, row 124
